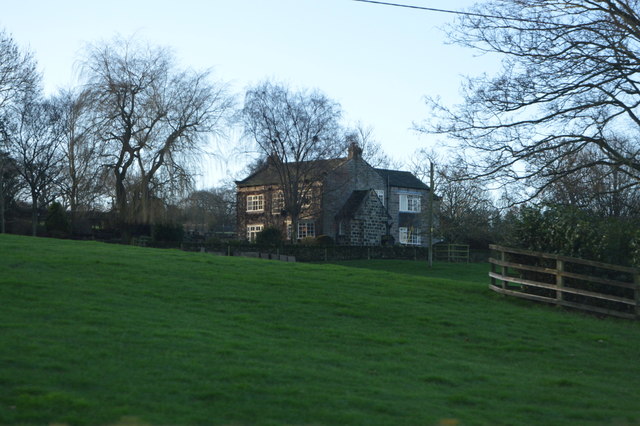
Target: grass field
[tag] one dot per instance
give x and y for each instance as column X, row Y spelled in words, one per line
column 102, row 334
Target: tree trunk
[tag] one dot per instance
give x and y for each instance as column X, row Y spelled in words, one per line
column 73, row 192
column 2, row 206
column 145, row 210
column 2, row 203
column 121, row 198
column 34, row 214
column 294, row 229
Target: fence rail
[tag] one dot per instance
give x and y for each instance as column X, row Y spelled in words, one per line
column 451, row 252
column 566, row 281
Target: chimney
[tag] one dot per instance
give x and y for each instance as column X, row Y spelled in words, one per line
column 354, row 151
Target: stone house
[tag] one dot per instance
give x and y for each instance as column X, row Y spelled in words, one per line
column 354, row 203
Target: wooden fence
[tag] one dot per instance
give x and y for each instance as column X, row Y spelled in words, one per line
column 566, row 281
column 451, row 252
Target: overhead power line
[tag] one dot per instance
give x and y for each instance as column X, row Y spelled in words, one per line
column 430, row 9
column 453, row 12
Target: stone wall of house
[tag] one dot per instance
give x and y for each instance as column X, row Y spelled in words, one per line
column 267, row 218
column 404, row 219
column 270, row 216
column 368, row 225
column 355, row 234
column 374, row 218
column 355, row 174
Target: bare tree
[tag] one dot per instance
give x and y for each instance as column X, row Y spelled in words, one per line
column 210, row 209
column 18, row 78
column 34, row 140
column 602, row 190
column 568, row 88
column 10, row 186
column 158, row 120
column 18, row 72
column 295, row 130
column 465, row 207
column 85, row 177
column 372, row 152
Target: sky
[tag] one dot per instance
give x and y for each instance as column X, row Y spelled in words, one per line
column 379, row 62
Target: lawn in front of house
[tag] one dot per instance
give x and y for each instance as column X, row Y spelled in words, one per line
column 92, row 333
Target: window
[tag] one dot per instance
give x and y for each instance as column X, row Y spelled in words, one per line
column 252, row 231
column 277, row 202
column 380, row 193
column 306, row 199
column 255, row 203
column 410, row 203
column 305, row 229
column 410, row 236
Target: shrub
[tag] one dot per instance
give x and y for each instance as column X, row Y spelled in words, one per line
column 57, row 223
column 269, row 237
column 167, row 232
column 324, row 240
column 387, row 240
column 213, row 241
column 574, row 232
column 308, row 241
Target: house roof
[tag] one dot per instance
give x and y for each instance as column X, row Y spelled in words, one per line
column 352, row 204
column 402, row 179
column 268, row 175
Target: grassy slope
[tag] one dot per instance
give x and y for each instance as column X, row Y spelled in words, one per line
column 93, row 333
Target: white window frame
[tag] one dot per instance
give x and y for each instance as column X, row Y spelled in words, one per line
column 253, row 230
column 277, row 202
column 306, row 228
column 410, row 237
column 255, row 203
column 410, row 203
column 380, row 194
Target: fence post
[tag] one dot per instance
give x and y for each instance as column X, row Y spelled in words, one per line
column 493, row 270
column 559, row 281
column 503, row 257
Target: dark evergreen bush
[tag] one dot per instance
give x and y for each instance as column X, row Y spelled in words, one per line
column 167, row 232
column 57, row 222
column 574, row 232
column 269, row 237
column 324, row 240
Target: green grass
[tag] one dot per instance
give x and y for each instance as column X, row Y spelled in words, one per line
column 100, row 334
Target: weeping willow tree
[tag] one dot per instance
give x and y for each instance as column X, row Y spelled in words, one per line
column 158, row 120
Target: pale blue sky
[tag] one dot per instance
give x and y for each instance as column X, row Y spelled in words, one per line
column 377, row 61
